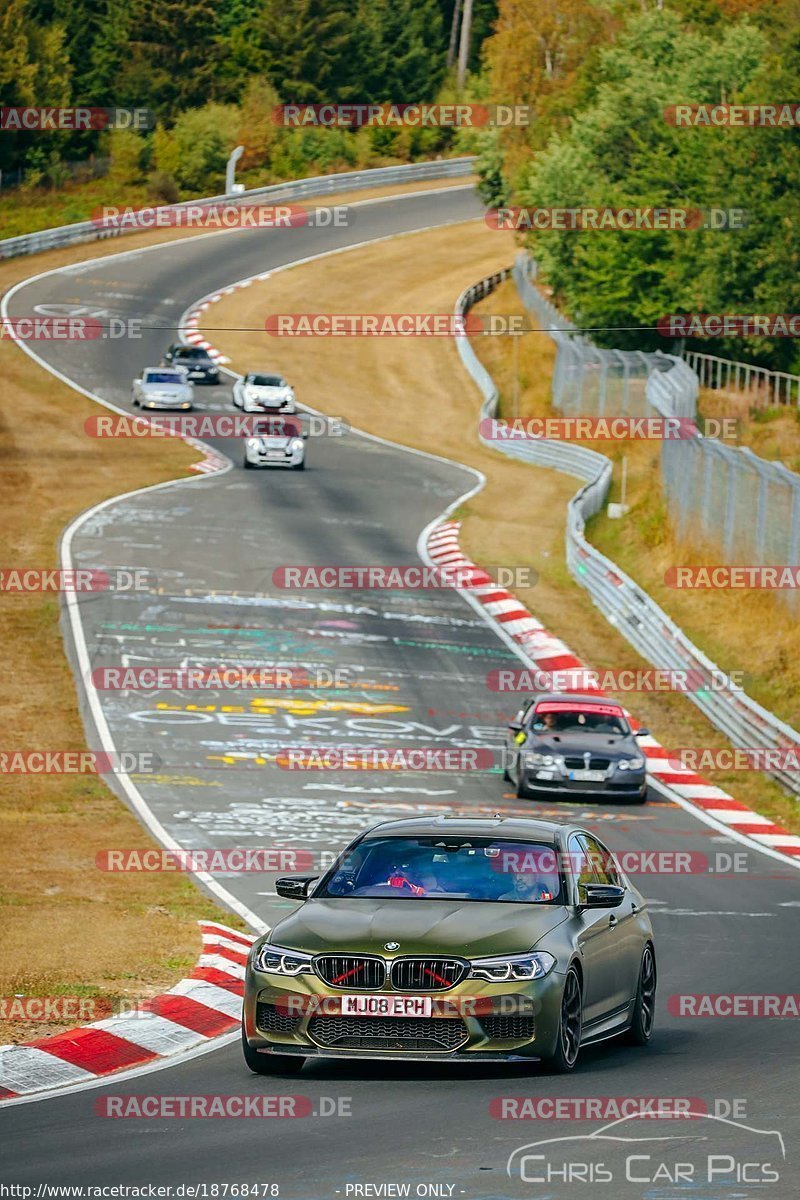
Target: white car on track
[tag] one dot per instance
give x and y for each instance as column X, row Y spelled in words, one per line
column 278, row 442
column 264, row 392
column 163, row 387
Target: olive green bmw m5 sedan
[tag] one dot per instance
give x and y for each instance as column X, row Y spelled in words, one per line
column 454, row 938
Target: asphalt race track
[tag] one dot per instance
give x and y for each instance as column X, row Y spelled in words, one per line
column 417, row 663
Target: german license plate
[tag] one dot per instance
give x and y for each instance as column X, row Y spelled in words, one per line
column 588, row 776
column 387, row 1006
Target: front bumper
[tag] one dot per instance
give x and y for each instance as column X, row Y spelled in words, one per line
column 621, row 786
column 166, row 405
column 475, row 1021
column 285, row 460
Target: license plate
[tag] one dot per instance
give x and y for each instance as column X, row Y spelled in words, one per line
column 588, row 776
column 275, row 454
column 387, row 1006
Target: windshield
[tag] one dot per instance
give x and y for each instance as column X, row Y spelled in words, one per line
column 162, row 377
column 477, row 869
column 196, row 355
column 265, row 381
column 578, row 721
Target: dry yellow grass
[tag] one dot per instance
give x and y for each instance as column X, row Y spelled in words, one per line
column 769, row 430
column 374, row 383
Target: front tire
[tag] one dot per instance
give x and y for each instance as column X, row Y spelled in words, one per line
column 570, row 1026
column 270, row 1064
column 644, row 1009
column 301, row 466
column 522, row 791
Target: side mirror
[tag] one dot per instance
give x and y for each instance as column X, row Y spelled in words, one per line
column 137, row 383
column 600, row 895
column 296, row 887
column 515, row 726
column 642, row 733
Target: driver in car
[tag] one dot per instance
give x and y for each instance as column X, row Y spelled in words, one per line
column 526, row 886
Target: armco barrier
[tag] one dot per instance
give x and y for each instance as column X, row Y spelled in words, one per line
column 318, row 185
column 624, row 604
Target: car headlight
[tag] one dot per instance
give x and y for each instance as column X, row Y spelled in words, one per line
column 630, row 764
column 281, row 962
column 535, row 759
column 512, row 966
column 253, row 444
column 296, row 444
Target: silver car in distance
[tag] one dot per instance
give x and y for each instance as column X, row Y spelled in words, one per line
column 162, row 387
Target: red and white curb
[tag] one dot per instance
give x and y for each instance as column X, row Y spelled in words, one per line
column 199, row 1008
column 549, row 654
column 190, row 333
column 190, row 324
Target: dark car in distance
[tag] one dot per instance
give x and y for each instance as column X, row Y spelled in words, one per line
column 562, row 745
column 198, row 363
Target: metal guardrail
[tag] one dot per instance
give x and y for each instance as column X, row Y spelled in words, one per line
column 624, row 604
column 727, row 375
column 318, row 185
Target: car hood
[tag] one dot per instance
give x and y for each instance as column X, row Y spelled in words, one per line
column 470, row 929
column 602, row 745
column 266, row 393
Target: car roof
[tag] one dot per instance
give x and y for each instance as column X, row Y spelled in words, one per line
column 168, row 367
column 515, row 828
column 575, row 698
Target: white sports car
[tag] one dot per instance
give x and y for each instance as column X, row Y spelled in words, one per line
column 263, row 393
column 278, row 442
column 162, row 387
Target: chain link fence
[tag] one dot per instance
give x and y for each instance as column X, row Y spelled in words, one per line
column 724, row 498
column 624, row 604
